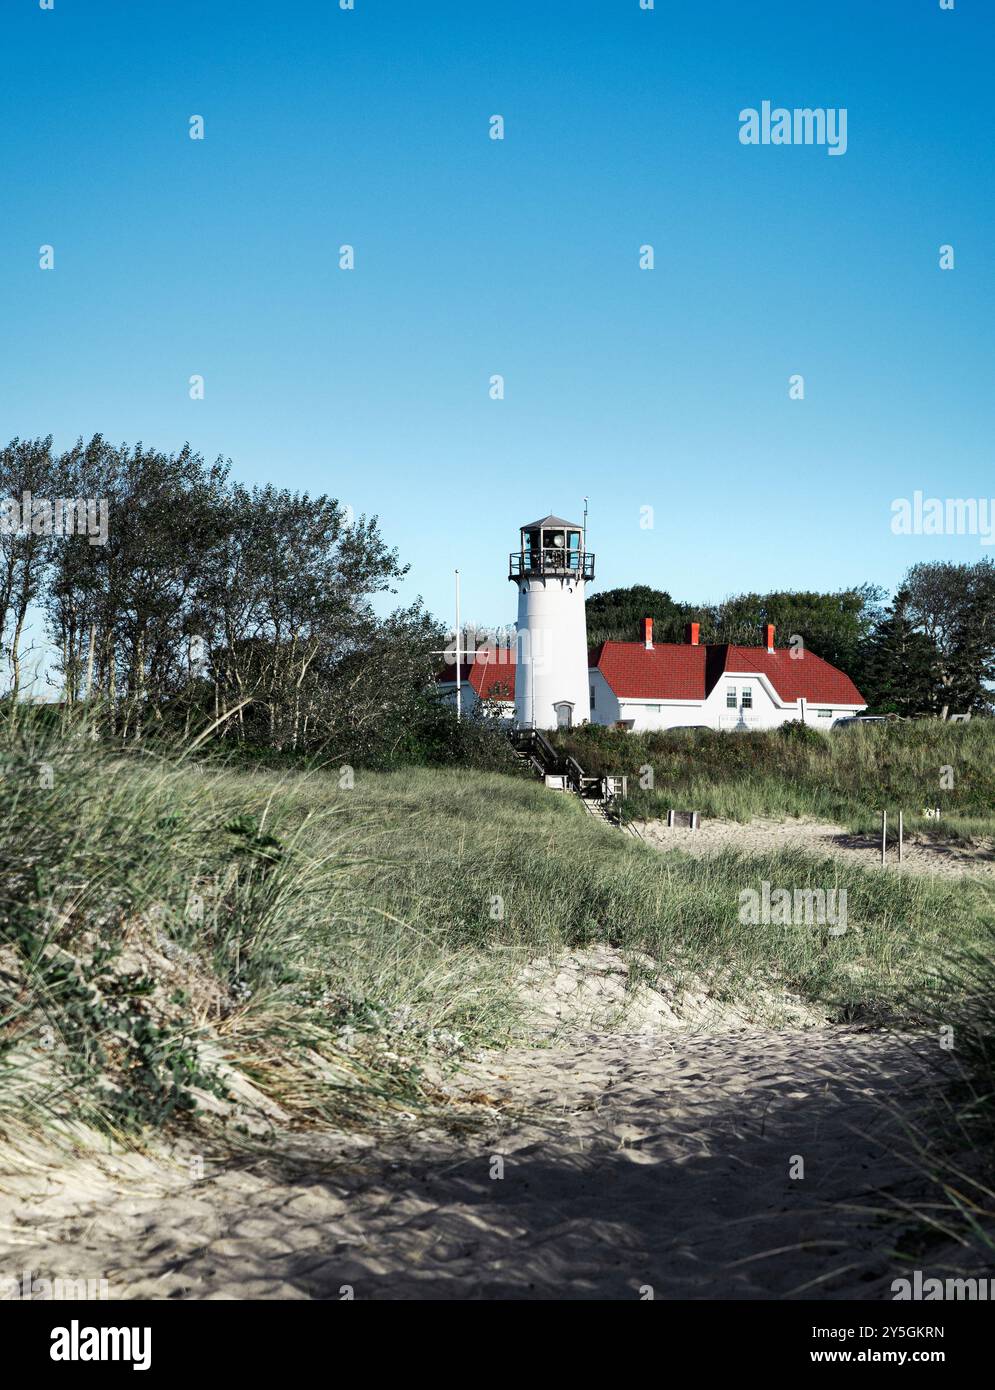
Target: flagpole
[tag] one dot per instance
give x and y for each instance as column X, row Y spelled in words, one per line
column 459, row 690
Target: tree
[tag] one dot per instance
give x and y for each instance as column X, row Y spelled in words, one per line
column 375, row 703
column 212, row 598
column 900, row 666
column 122, row 610
column 29, row 482
column 833, row 626
column 954, row 605
column 288, row 599
column 616, row 615
column 972, row 658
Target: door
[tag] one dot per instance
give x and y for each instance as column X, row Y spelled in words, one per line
column 564, row 714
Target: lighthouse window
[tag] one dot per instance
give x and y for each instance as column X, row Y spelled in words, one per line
column 747, row 697
column 730, row 697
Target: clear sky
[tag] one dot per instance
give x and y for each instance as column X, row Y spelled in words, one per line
column 665, row 388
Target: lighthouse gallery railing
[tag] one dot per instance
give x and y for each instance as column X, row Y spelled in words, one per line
column 555, row 562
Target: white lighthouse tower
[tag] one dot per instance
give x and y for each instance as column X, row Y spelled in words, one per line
column 551, row 568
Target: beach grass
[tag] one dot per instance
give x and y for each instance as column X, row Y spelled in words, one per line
column 845, row 775
column 344, row 937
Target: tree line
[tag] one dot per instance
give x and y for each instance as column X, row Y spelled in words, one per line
column 930, row 651
column 178, row 598
column 204, row 601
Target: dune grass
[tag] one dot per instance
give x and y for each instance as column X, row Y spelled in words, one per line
column 952, row 1142
column 451, row 849
column 340, row 941
column 846, row 775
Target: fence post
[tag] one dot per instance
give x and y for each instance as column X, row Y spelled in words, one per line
column 884, row 834
column 901, row 829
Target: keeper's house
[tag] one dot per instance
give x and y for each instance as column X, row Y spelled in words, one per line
column 639, row 685
column 719, row 686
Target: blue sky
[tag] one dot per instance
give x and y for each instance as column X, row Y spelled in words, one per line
column 665, row 388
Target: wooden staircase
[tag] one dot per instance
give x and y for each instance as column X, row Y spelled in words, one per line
column 598, row 795
column 599, row 810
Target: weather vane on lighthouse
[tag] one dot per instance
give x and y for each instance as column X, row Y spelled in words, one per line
column 551, row 569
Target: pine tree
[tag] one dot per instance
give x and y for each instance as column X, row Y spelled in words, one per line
column 901, row 671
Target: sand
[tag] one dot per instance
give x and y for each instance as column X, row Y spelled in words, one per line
column 646, row 1150
column 921, row 855
column 607, row 1166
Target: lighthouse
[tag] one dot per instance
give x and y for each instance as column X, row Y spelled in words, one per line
column 550, row 568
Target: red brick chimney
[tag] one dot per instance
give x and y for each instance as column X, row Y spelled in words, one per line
column 648, row 633
column 769, row 630
column 691, row 633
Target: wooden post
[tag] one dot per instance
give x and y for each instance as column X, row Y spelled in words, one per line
column 695, row 820
column 884, row 834
column 901, row 829
column 670, row 820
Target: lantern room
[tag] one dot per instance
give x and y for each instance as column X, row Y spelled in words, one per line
column 551, row 546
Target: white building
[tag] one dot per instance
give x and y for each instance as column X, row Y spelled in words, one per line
column 640, row 685
column 556, row 682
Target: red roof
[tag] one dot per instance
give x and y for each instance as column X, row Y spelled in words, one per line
column 488, row 670
column 676, row 671
column 666, row 672
column 806, row 676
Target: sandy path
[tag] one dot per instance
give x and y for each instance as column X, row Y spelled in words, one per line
column 921, row 856
column 655, row 1161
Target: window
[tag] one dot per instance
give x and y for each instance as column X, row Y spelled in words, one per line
column 593, row 701
column 747, row 697
column 824, row 713
column 730, row 697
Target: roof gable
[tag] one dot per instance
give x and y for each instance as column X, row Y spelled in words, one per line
column 805, row 676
